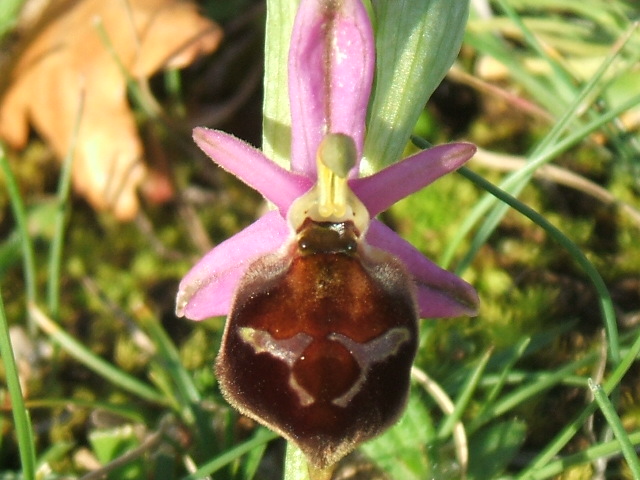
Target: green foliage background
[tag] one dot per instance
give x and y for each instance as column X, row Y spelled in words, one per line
column 113, row 383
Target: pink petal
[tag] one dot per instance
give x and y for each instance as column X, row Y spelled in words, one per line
column 440, row 293
column 331, row 65
column 208, row 289
column 276, row 184
column 381, row 190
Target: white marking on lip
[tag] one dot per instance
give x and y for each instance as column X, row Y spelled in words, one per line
column 366, row 354
column 290, row 351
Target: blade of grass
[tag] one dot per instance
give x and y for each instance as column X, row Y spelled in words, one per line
column 564, row 82
column 183, row 391
column 516, row 377
column 491, row 45
column 261, row 437
column 547, row 149
column 502, row 378
column 132, row 413
column 464, row 397
column 180, row 386
column 516, row 182
column 601, row 450
column 567, row 433
column 251, row 462
column 168, row 353
column 614, row 422
column 510, row 183
column 563, row 76
column 529, row 390
column 62, row 208
column 605, row 302
column 20, row 216
column 22, row 422
column 92, row 361
column 135, row 86
column 507, row 369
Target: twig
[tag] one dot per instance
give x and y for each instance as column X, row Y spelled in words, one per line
column 446, row 405
column 149, row 443
column 197, row 233
column 459, row 75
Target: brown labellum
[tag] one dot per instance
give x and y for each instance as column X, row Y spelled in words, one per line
column 320, row 341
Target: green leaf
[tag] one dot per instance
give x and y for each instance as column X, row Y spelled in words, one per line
column 9, row 15
column 493, row 447
column 416, row 44
column 109, row 444
column 403, row 450
column 276, row 129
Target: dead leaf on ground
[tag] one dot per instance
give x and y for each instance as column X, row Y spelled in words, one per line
column 68, row 58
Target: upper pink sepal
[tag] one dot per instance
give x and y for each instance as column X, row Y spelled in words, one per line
column 331, row 64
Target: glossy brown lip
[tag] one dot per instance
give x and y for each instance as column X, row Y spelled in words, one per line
column 320, row 341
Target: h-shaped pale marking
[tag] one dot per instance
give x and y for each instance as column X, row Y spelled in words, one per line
column 290, row 350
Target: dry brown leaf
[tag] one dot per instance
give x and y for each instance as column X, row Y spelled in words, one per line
column 68, row 59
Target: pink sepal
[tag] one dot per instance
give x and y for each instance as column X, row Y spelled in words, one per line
column 440, row 293
column 384, row 188
column 249, row 164
column 208, row 289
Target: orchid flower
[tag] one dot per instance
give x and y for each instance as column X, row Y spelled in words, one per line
column 322, row 298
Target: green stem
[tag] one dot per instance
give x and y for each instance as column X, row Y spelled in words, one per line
column 92, row 361
column 295, row 464
column 601, row 450
column 606, row 304
column 57, row 243
column 21, row 419
column 542, row 461
column 463, row 399
column 262, row 437
column 20, row 215
column 614, row 422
